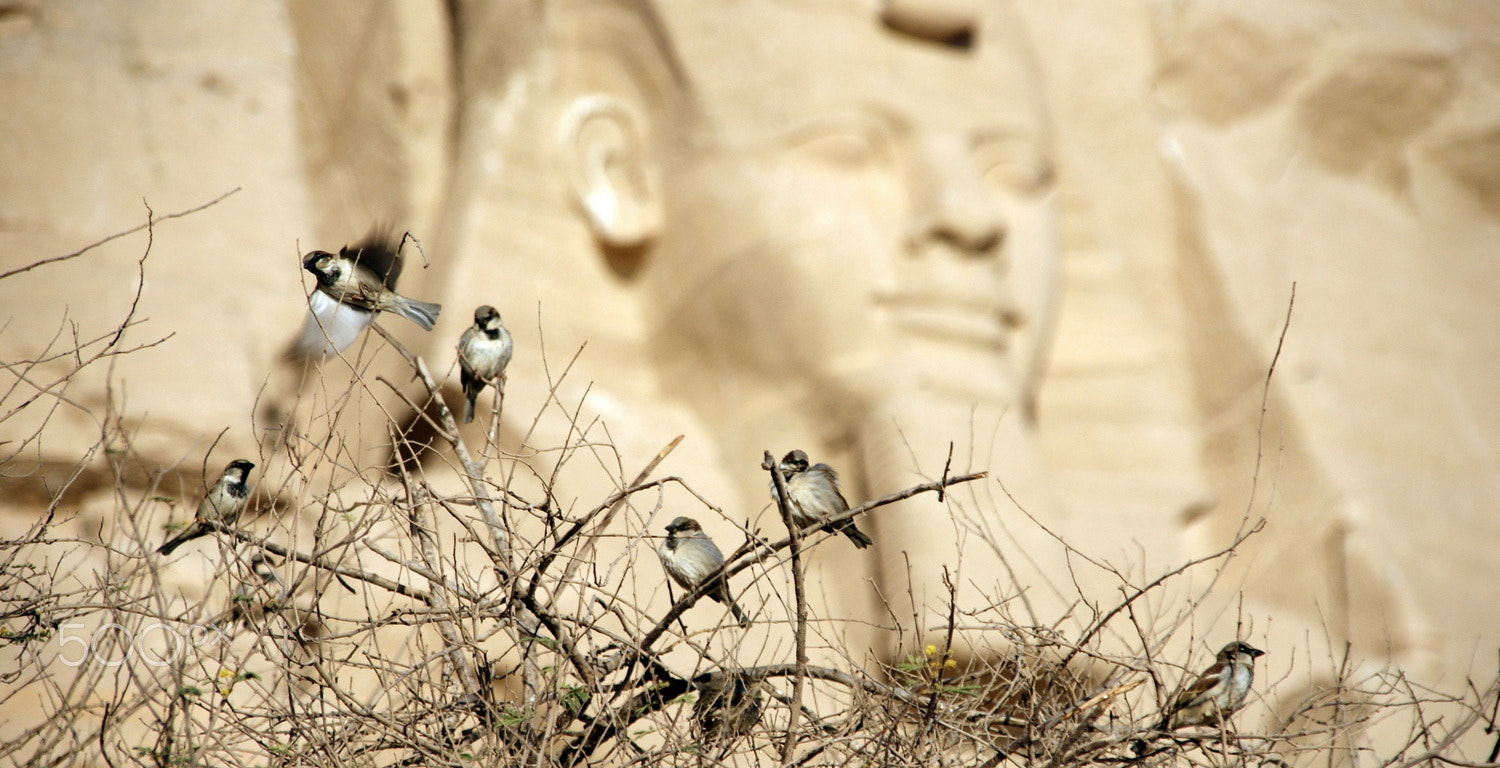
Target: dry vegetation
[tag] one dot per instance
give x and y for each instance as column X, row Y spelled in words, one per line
column 368, row 616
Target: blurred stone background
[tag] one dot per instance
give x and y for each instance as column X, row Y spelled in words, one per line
column 1196, row 160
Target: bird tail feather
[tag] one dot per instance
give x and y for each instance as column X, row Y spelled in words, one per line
column 473, row 385
column 857, row 536
column 420, row 312
column 193, row 532
column 739, row 614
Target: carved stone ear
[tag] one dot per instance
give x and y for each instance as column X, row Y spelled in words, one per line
column 612, row 173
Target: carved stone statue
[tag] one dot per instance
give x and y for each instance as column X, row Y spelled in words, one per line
column 814, row 241
column 836, row 226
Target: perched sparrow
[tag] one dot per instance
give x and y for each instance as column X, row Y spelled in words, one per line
column 260, row 590
column 1218, row 692
column 728, row 704
column 265, row 571
column 223, row 504
column 815, row 496
column 483, row 352
column 690, row 556
column 352, row 286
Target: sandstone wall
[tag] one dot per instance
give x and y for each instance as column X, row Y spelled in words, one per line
column 1207, row 156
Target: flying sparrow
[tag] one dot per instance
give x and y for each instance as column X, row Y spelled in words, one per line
column 815, row 496
column 690, row 556
column 353, row 285
column 483, row 352
column 1218, row 692
column 223, row 504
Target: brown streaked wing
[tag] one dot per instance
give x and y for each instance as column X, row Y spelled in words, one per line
column 1201, row 686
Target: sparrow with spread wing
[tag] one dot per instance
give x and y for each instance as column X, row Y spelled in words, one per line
column 352, row 286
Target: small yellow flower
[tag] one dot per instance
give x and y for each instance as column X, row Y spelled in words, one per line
column 931, row 650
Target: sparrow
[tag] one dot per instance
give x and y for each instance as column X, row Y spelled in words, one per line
column 815, row 496
column 270, row 581
column 483, row 352
column 260, row 591
column 353, row 286
column 1218, row 692
column 690, row 556
column 223, row 504
column 728, row 704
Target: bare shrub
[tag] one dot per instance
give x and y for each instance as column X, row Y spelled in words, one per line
column 467, row 609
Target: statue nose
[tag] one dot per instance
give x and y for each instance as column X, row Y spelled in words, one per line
column 965, row 221
column 952, row 203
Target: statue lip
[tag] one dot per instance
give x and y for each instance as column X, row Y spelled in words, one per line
column 983, row 319
column 945, row 325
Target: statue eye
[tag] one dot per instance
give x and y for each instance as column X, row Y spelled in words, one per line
column 1014, row 164
column 851, row 140
column 840, row 149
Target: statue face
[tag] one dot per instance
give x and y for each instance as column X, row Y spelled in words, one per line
column 863, row 209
